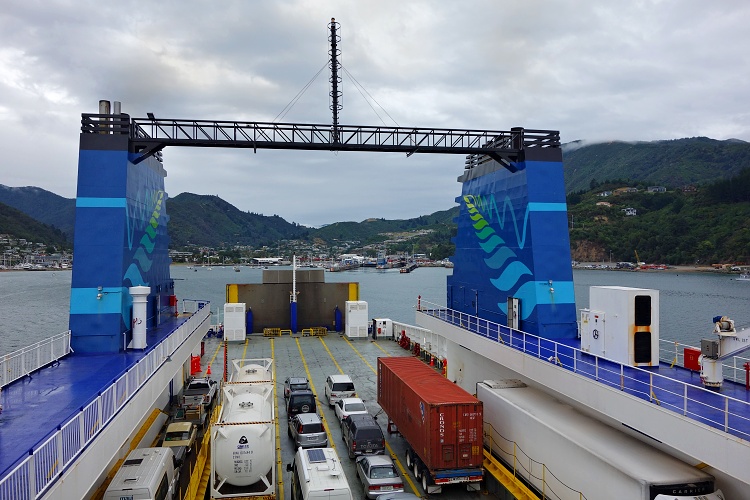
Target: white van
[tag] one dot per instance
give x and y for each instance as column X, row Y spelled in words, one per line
column 337, row 387
column 317, row 475
column 146, row 474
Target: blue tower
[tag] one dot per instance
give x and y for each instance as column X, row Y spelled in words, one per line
column 120, row 237
column 513, row 240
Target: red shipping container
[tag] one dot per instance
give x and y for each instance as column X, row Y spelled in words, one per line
column 440, row 421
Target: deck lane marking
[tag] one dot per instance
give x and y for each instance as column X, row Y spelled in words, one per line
column 386, row 352
column 280, row 472
column 331, row 444
column 330, row 354
column 244, row 352
column 360, row 355
column 387, row 446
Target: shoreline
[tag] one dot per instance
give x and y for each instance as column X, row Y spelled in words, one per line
column 598, row 266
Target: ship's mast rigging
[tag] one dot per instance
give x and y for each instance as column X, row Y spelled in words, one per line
column 148, row 136
column 335, row 65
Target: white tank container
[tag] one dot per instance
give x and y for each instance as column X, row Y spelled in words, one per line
column 244, row 454
column 252, row 370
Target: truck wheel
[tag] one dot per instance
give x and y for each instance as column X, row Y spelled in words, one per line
column 424, row 482
column 416, row 470
column 408, row 459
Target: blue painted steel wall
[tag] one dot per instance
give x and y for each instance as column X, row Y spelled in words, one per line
column 120, row 241
column 512, row 240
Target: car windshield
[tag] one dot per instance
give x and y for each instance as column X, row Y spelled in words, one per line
column 310, row 428
column 298, row 387
column 382, row 472
column 343, row 386
column 177, row 436
column 303, row 400
column 352, row 407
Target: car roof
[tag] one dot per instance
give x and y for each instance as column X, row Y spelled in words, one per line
column 180, row 426
column 308, row 418
column 299, row 392
column 378, row 460
column 351, row 400
column 296, row 380
column 341, row 378
column 360, row 417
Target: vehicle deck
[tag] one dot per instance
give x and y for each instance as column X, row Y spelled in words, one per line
column 315, row 358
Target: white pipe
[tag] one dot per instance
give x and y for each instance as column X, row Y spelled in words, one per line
column 140, row 298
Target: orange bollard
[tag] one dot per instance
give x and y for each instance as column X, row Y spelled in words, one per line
column 208, row 370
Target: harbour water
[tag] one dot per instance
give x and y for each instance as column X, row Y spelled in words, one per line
column 35, row 305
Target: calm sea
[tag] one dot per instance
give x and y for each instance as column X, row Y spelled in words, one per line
column 34, row 305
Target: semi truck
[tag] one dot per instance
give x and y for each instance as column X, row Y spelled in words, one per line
column 441, row 423
column 570, row 455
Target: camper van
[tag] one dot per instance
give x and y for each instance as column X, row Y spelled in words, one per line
column 317, row 474
column 146, row 474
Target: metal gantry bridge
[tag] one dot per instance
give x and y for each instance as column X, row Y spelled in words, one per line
column 150, row 135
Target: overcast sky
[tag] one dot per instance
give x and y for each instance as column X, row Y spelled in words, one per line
column 595, row 71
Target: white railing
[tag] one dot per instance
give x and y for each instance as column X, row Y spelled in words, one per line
column 674, row 354
column 47, row 461
column 706, row 406
column 24, row 361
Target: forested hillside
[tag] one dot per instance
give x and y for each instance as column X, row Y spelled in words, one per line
column 676, row 163
column 206, row 220
column 19, row 225
column 711, row 225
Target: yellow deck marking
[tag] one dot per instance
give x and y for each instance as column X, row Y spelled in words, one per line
column 329, row 353
column 331, row 444
column 279, row 470
column 378, row 346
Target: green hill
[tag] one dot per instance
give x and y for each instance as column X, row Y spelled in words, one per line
column 206, row 220
column 42, row 205
column 20, row 225
column 711, row 225
column 675, row 163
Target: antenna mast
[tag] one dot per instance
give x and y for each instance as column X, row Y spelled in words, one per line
column 335, row 80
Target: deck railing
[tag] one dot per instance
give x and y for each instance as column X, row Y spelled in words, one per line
column 712, row 408
column 673, row 353
column 23, row 362
column 46, row 461
column 521, row 465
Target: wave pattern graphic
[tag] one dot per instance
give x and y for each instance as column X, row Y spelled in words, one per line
column 142, row 259
column 507, row 215
column 499, row 256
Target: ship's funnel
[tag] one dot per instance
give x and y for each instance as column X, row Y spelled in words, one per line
column 140, row 297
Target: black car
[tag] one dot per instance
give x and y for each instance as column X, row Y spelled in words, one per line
column 300, row 402
column 362, row 435
column 292, row 384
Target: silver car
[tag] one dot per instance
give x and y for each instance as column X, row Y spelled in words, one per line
column 378, row 475
column 307, row 431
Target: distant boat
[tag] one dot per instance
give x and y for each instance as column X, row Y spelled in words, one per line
column 743, row 277
column 236, row 269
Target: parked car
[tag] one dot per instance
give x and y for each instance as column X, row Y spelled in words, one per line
column 181, row 434
column 300, row 402
column 348, row 406
column 200, row 390
column 306, row 429
column 292, row 384
column 362, row 435
column 378, row 475
column 337, row 387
